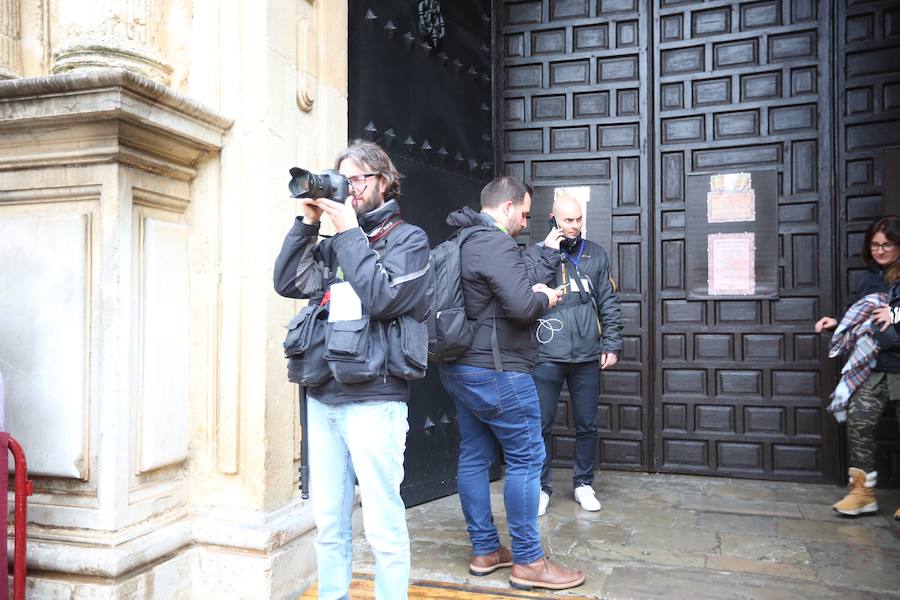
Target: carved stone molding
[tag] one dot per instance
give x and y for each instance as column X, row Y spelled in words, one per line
column 10, row 33
column 123, row 34
column 307, row 64
column 132, row 119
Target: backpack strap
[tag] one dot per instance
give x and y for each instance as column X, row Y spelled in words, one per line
column 491, row 309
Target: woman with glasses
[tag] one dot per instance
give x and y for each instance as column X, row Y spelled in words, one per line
column 870, row 380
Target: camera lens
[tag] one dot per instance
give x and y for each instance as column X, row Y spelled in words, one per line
column 330, row 184
column 300, row 183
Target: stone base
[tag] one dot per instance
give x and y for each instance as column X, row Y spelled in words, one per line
column 233, row 554
column 170, row 578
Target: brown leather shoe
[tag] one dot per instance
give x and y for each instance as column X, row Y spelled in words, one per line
column 544, row 573
column 488, row 563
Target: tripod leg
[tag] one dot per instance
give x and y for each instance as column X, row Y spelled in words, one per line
column 304, row 447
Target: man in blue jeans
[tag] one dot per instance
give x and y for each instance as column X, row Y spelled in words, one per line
column 492, row 386
column 586, row 337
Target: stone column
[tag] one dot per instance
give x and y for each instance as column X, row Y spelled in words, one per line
column 10, row 33
column 100, row 34
column 96, row 231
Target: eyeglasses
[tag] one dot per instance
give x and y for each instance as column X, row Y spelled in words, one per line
column 886, row 247
column 359, row 181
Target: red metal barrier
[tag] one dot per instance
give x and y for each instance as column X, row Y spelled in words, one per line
column 23, row 490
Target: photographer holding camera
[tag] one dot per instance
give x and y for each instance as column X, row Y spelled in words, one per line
column 355, row 346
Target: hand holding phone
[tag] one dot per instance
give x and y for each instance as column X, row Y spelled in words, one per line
column 554, row 235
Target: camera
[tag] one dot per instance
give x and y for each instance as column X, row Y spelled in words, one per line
column 330, row 184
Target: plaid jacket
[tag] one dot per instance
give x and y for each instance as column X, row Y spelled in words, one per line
column 855, row 335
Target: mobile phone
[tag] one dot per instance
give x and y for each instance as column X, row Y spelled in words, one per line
column 552, row 222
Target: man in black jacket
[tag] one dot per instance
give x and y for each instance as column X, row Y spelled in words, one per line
column 584, row 335
column 376, row 266
column 501, row 403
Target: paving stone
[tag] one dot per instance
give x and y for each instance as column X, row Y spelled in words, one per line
column 651, row 584
column 885, row 581
column 612, row 553
column 678, row 540
column 761, row 567
column 755, row 525
column 741, row 507
column 559, row 532
column 757, row 547
column 858, row 558
column 819, row 512
column 670, row 536
column 849, row 533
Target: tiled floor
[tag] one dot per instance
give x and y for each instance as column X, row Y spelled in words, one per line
column 673, row 536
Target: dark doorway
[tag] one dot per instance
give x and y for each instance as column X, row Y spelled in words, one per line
column 420, row 85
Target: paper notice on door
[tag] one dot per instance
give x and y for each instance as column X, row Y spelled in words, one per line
column 731, row 206
column 345, row 304
column 730, row 182
column 732, row 264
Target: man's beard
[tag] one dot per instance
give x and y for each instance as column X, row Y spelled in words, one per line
column 367, row 203
column 512, row 228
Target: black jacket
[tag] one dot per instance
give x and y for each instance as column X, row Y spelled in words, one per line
column 871, row 281
column 889, row 341
column 579, row 339
column 390, row 283
column 868, row 282
column 494, row 266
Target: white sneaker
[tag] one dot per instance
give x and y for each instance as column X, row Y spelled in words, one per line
column 543, row 503
column 584, row 495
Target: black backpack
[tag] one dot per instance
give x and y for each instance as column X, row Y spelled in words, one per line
column 450, row 333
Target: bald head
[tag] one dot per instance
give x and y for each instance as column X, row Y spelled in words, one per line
column 567, row 211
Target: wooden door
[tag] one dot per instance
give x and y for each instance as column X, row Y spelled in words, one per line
column 639, row 95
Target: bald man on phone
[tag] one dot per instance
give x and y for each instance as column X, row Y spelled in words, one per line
column 583, row 336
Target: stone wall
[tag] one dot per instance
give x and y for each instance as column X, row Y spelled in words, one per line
column 144, row 149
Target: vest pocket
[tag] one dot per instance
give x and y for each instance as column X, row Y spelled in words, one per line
column 304, row 346
column 407, row 348
column 354, row 350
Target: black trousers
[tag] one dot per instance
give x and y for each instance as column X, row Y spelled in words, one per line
column 583, row 380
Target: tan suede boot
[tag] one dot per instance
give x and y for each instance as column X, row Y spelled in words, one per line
column 860, row 498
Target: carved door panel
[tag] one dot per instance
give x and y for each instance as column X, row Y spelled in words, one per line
column 575, row 91
column 639, row 95
column 739, row 384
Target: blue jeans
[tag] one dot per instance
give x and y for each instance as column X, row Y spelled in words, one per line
column 583, row 380
column 501, row 406
column 364, row 441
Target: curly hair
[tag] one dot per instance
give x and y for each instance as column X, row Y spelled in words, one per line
column 374, row 157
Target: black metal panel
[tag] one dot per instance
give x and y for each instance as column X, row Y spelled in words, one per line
column 868, row 153
column 427, row 100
